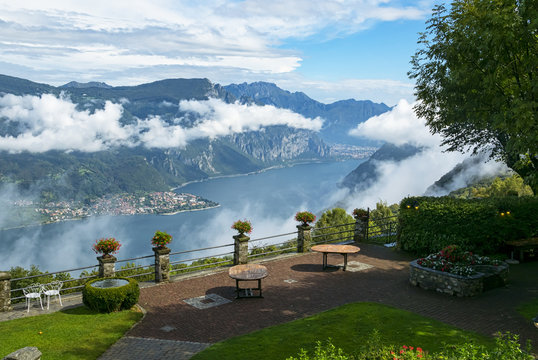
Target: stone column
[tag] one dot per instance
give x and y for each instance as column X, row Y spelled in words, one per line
column 304, row 238
column 107, row 266
column 240, row 249
column 162, row 264
column 361, row 229
column 5, row 291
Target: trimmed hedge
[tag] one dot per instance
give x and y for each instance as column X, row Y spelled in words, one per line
column 107, row 300
column 428, row 224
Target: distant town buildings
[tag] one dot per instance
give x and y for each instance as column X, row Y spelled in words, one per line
column 122, row 204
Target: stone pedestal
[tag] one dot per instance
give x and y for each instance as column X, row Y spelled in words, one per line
column 162, row 264
column 107, row 266
column 5, row 291
column 241, row 249
column 304, row 238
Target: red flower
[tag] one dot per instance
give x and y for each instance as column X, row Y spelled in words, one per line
column 419, row 349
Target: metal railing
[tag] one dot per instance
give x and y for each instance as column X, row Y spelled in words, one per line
column 380, row 230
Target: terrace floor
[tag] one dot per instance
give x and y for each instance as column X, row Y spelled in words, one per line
column 298, row 287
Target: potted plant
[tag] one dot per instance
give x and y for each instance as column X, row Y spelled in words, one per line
column 106, row 246
column 161, row 239
column 242, row 226
column 360, row 213
column 305, row 217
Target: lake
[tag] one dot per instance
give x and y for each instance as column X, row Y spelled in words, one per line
column 268, row 199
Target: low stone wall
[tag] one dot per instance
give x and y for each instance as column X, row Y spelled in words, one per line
column 487, row 277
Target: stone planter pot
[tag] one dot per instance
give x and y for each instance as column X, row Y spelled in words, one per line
column 487, row 277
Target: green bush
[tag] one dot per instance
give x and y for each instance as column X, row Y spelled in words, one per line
column 506, row 347
column 428, row 224
column 111, row 299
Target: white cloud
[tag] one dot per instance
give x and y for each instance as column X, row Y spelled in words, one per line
column 399, row 126
column 101, row 37
column 53, row 123
column 412, row 176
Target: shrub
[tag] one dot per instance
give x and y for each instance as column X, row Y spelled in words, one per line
column 161, row 239
column 428, row 224
column 506, row 347
column 111, row 299
column 306, row 217
column 106, row 246
column 242, row 226
column 360, row 213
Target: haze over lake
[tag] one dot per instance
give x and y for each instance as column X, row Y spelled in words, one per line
column 269, row 200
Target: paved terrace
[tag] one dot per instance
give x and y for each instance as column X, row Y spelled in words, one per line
column 298, row 287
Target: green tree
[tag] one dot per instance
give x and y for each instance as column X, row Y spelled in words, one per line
column 341, row 226
column 382, row 223
column 477, row 81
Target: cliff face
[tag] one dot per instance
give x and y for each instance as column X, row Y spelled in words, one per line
column 339, row 117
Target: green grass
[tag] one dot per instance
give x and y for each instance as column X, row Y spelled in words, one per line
column 529, row 310
column 349, row 327
column 77, row 333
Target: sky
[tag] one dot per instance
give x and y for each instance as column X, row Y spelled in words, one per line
column 330, row 50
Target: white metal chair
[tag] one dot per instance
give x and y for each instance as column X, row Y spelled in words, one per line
column 52, row 289
column 33, row 291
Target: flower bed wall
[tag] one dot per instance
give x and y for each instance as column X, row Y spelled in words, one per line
column 486, row 278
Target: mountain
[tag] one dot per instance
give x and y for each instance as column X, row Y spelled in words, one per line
column 74, row 84
column 473, row 171
column 81, row 175
column 366, row 173
column 340, row 116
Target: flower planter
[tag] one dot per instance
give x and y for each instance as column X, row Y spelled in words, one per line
column 487, row 277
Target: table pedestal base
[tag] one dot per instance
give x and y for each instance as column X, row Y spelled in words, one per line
column 242, row 293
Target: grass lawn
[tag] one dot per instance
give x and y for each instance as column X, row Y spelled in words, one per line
column 77, row 333
column 349, row 327
column 529, row 310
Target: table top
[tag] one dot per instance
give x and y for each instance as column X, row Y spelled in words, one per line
column 334, row 248
column 248, row 272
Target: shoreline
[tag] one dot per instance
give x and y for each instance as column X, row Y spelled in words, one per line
column 252, row 172
column 91, row 216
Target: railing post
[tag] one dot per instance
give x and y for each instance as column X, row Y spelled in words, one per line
column 304, row 238
column 162, row 264
column 240, row 249
column 361, row 228
column 107, row 266
column 5, row 291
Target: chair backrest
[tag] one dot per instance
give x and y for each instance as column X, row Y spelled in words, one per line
column 53, row 285
column 32, row 289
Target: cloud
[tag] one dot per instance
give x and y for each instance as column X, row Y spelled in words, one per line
column 48, row 123
column 399, row 126
column 412, row 176
column 102, row 37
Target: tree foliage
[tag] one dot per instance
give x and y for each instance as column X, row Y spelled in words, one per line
column 476, row 79
column 341, row 226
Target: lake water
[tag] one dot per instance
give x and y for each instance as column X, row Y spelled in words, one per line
column 268, row 199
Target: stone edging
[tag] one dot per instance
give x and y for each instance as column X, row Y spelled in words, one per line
column 487, row 277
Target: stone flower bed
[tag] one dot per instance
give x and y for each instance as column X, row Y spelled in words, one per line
column 454, row 272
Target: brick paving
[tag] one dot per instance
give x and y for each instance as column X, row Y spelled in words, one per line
column 313, row 290
column 298, row 287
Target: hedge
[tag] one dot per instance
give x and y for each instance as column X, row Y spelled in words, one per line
column 111, row 299
column 428, row 224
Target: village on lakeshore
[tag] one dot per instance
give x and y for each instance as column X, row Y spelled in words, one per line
column 164, row 203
